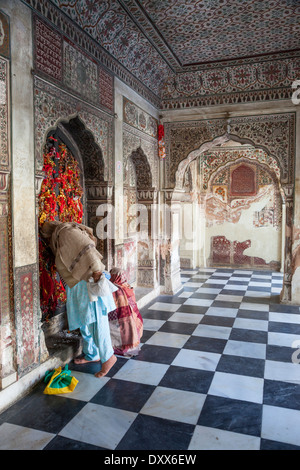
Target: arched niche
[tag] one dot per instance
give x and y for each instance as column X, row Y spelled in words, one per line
column 96, row 191
column 243, row 212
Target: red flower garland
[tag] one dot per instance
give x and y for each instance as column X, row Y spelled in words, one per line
column 59, row 199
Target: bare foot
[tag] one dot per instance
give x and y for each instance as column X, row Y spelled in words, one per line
column 106, row 366
column 82, row 360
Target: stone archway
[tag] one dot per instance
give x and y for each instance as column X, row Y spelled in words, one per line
column 141, row 212
column 273, row 133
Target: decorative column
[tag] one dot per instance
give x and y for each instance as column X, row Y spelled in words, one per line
column 170, row 259
column 286, row 293
column 147, row 274
column 99, row 211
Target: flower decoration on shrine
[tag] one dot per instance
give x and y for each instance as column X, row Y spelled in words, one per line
column 59, row 199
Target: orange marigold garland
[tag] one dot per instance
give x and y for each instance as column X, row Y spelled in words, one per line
column 59, row 199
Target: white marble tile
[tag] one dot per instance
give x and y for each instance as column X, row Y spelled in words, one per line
column 284, row 317
column 282, row 339
column 197, row 359
column 164, row 306
column 173, row 404
column 193, row 284
column 258, row 294
column 239, row 271
column 229, row 298
column 212, row 331
column 259, row 284
column 14, row 437
column 199, row 302
column 88, row 385
column 262, row 276
column 185, row 294
column 236, row 287
column 208, row 290
column 206, row 438
column 234, row 278
column 99, row 425
column 152, row 324
column 186, row 317
column 212, row 280
column 283, row 371
column 172, row 340
column 245, row 349
column 251, row 324
column 144, row 372
column 254, row 306
column 200, row 276
column 219, row 273
column 281, row 424
column 222, row 312
column 238, row 387
column 276, row 290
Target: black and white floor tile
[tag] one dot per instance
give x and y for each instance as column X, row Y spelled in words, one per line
column 218, row 369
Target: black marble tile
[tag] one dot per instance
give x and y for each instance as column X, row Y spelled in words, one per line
column 199, row 295
column 192, row 309
column 217, row 320
column 157, row 354
column 188, row 379
column 231, row 415
column 148, row 432
column 279, row 353
column 281, row 327
column 284, row 308
column 248, row 366
column 266, row 444
column 169, row 299
column 199, row 343
column 43, row 412
column 63, row 443
column 156, row 314
column 225, row 304
column 178, row 327
column 254, row 336
column 254, row 314
column 283, row 394
column 122, row 394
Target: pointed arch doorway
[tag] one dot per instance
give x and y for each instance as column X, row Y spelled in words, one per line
column 72, row 189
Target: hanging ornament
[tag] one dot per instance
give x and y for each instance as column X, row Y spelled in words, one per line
column 161, row 142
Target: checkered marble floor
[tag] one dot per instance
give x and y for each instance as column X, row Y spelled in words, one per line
column 215, row 371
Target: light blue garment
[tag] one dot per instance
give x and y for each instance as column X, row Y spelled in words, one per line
column 92, row 319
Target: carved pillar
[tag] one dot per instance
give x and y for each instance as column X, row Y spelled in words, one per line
column 170, row 259
column 286, row 293
column 100, row 214
column 148, row 260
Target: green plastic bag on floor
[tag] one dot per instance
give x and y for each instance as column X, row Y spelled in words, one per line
column 59, row 381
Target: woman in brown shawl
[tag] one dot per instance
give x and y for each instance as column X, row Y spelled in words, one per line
column 77, row 260
column 126, row 323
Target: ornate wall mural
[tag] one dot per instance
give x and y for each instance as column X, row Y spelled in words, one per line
column 53, row 105
column 274, row 134
column 248, row 205
column 65, row 63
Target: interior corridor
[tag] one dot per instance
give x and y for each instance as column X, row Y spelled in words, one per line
column 218, row 369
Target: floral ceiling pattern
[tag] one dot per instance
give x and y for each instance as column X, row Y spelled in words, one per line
column 157, row 39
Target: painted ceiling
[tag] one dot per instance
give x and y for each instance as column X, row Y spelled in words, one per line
column 155, row 39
